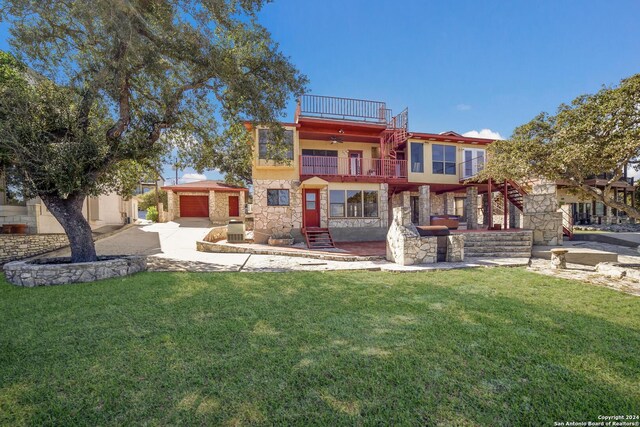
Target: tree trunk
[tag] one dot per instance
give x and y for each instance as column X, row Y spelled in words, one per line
column 68, row 212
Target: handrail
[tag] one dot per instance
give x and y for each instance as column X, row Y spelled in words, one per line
column 345, row 166
column 470, row 168
column 344, row 108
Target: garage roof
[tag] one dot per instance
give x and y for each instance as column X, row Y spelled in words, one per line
column 206, row 185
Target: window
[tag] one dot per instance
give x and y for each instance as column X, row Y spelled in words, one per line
column 277, row 197
column 444, row 159
column 417, row 157
column 599, row 208
column 370, row 204
column 336, row 202
column 353, row 204
column 265, row 141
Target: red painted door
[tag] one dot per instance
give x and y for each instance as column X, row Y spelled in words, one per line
column 234, row 206
column 311, row 208
column 194, row 206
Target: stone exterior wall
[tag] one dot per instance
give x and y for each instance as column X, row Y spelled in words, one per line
column 219, row 205
column 15, row 246
column 276, row 219
column 542, row 216
column 437, row 204
column 455, row 248
column 450, row 203
column 56, row 272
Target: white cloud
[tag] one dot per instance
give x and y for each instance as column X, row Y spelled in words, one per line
column 484, row 133
column 192, row 177
column 463, row 107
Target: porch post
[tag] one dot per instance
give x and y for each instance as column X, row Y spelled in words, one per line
column 489, row 204
column 471, row 208
column 506, row 207
column 424, row 202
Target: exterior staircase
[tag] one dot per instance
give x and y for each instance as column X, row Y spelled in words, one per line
column 516, row 244
column 319, row 238
column 395, row 135
column 515, row 193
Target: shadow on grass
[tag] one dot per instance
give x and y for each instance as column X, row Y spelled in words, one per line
column 488, row 347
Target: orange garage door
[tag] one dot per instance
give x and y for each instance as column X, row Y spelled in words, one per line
column 194, row 206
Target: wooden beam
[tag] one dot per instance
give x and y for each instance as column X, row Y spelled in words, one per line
column 489, row 204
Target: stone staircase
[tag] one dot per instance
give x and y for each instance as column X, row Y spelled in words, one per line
column 512, row 244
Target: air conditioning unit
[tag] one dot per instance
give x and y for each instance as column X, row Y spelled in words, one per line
column 235, row 231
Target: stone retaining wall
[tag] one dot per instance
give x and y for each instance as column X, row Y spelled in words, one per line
column 17, row 246
column 53, row 271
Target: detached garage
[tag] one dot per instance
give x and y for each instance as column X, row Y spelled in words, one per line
column 215, row 200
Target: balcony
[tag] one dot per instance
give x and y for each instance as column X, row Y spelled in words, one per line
column 353, row 169
column 607, row 177
column 471, row 167
column 331, row 107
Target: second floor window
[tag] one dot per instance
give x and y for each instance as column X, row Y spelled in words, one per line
column 417, row 157
column 265, row 140
column 444, row 159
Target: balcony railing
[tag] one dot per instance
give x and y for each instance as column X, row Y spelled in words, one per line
column 471, row 168
column 332, row 107
column 353, row 167
column 608, row 176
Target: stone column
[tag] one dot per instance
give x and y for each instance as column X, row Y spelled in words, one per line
column 542, row 216
column 424, row 202
column 212, row 205
column 171, row 202
column 471, row 208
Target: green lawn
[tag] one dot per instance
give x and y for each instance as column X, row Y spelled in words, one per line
column 474, row 347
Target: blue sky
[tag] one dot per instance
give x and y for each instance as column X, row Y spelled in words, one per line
column 458, row 65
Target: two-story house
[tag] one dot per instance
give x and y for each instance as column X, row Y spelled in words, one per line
column 347, row 160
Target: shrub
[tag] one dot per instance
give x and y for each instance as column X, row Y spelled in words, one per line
column 152, row 213
column 149, row 199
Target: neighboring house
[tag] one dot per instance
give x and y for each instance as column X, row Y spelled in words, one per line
column 104, row 210
column 146, row 186
column 348, row 162
column 215, row 200
column 585, row 210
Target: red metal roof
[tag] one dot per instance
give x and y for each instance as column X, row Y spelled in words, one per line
column 206, row 185
column 448, row 137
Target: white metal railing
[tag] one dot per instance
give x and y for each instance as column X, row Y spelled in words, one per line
column 472, row 167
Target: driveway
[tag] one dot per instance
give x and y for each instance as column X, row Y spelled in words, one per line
column 171, row 247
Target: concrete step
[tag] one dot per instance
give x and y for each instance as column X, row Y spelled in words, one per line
column 498, row 254
column 509, row 243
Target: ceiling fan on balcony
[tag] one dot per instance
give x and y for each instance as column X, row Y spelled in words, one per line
column 336, row 139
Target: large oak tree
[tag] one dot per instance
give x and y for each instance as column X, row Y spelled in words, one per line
column 125, row 81
column 596, row 134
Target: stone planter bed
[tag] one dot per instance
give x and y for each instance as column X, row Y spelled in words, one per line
column 59, row 271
